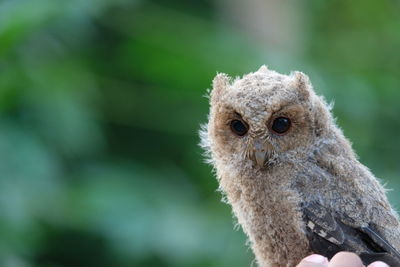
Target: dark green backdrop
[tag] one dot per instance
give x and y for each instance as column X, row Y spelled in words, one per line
column 101, row 101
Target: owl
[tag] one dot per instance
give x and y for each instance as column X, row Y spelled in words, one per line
column 292, row 179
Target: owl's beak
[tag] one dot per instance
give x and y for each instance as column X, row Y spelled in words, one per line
column 260, row 152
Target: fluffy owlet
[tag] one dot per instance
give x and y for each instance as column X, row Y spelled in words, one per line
column 291, row 177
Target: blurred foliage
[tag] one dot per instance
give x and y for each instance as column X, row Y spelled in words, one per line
column 100, row 105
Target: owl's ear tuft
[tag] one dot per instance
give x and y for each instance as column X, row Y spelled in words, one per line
column 263, row 68
column 220, row 84
column 302, row 83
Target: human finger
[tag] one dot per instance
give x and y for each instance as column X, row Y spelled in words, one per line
column 347, row 259
column 314, row 260
column 378, row 264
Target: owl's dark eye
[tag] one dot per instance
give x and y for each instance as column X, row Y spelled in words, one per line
column 239, row 127
column 281, row 125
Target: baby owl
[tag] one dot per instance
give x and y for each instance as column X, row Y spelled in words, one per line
column 291, row 177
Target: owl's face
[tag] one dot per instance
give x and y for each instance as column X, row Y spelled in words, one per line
column 261, row 119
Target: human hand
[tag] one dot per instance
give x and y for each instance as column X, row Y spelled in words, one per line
column 341, row 259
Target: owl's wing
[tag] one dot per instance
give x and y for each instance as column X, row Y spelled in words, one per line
column 328, row 234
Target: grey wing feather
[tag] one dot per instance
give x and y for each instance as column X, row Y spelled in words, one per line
column 322, row 223
column 328, row 235
column 380, row 241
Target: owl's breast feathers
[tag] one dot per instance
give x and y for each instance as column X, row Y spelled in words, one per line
column 328, row 233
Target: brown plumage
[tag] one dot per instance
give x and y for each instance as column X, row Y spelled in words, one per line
column 291, row 177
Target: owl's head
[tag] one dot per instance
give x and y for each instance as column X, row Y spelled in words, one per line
column 263, row 118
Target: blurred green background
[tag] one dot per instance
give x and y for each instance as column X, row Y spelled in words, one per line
column 101, row 102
